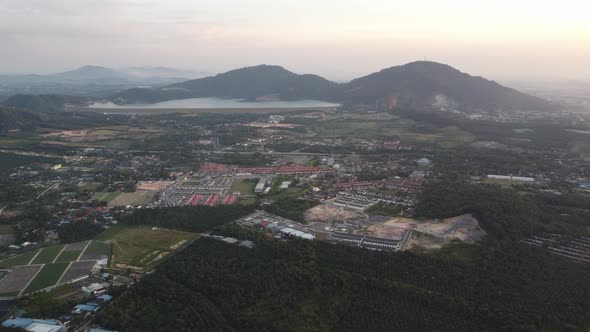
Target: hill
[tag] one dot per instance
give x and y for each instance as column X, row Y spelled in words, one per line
column 417, row 84
column 43, row 103
column 12, row 119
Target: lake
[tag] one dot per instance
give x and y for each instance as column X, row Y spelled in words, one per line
column 213, row 103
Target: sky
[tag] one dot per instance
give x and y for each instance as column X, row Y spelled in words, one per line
column 338, row 39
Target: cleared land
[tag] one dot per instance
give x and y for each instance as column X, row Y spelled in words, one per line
column 47, row 277
column 47, row 255
column 13, row 283
column 140, row 247
column 140, row 197
column 77, row 270
column 153, row 185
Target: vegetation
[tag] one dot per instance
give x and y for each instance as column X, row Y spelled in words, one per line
column 191, row 218
column 383, row 210
column 47, row 255
column 47, row 277
column 291, row 208
column 315, row 286
column 22, row 259
column 78, row 231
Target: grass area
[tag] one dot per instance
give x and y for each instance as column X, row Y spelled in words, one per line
column 9, row 294
column 356, row 128
column 47, row 255
column 98, row 247
column 383, row 210
column 22, row 259
column 245, row 187
column 140, row 246
column 68, row 256
column 106, row 196
column 48, row 276
column 92, row 186
column 445, row 137
column 6, row 229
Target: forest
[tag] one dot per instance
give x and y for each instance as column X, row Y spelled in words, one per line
column 188, row 218
column 505, row 213
column 315, row 286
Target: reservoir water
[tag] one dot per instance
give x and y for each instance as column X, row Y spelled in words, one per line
column 209, row 103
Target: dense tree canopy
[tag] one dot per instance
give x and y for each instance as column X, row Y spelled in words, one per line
column 315, row 286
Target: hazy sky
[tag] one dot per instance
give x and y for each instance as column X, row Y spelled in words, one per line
column 340, row 39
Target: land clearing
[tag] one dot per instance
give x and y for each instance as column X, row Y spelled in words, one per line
column 138, row 198
column 153, row 185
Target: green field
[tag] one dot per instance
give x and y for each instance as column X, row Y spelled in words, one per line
column 68, row 256
column 47, row 255
column 98, row 247
column 244, row 187
column 22, row 259
column 141, row 247
column 106, row 197
column 48, row 276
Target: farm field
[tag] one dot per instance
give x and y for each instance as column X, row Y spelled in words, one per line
column 47, row 265
column 47, row 277
column 47, row 255
column 22, row 259
column 140, row 247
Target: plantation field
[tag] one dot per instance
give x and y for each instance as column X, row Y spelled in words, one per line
column 47, row 255
column 47, row 277
column 141, row 247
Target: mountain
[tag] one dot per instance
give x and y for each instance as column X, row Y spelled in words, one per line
column 93, row 81
column 251, row 83
column 425, row 83
column 417, row 84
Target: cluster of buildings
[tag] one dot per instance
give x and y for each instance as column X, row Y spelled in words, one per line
column 280, row 227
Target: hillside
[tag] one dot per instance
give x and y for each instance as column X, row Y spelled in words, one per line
column 417, row 84
column 43, row 103
column 420, row 83
column 12, row 119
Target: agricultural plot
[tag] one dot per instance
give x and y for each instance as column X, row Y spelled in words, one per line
column 49, row 266
column 77, row 270
column 13, row 283
column 22, row 259
column 96, row 250
column 47, row 255
column 47, row 277
column 141, row 247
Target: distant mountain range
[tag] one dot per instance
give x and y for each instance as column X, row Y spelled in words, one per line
column 93, row 81
column 417, row 84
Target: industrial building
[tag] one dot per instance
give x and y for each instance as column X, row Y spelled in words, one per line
column 510, row 178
